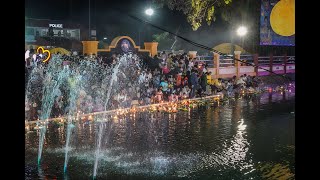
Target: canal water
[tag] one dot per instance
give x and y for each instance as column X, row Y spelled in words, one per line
column 251, row 137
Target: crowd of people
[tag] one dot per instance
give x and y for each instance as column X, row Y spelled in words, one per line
column 166, row 77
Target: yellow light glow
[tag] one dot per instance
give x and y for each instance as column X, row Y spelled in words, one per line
column 282, row 18
column 44, row 51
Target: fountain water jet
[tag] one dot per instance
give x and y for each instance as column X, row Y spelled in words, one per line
column 54, row 79
column 97, row 152
column 72, row 112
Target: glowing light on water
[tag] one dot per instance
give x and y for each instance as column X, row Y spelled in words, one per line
column 97, row 152
column 241, row 126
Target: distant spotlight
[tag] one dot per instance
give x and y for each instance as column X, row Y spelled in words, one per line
column 149, row 12
column 105, row 38
column 242, row 31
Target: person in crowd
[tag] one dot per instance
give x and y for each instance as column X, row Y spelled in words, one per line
column 194, row 83
column 159, row 95
column 156, row 81
column 229, row 88
column 203, row 82
column 180, row 77
column 217, row 86
column 165, row 88
column 240, row 82
column 178, row 80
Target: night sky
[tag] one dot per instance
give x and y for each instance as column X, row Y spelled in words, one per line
column 110, row 22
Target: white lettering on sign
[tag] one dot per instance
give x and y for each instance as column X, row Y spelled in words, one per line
column 56, row 25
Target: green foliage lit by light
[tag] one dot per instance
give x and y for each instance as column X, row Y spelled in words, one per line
column 227, row 1
column 160, row 37
column 196, row 11
column 164, row 39
column 210, row 16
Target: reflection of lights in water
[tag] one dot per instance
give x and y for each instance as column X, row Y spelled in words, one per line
column 234, row 156
column 241, row 127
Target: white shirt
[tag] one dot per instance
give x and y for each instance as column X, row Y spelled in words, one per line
column 27, row 54
column 149, row 76
column 244, row 79
column 204, row 70
column 240, row 81
column 34, row 57
column 190, row 64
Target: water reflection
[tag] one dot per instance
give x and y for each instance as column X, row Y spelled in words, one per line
column 204, row 140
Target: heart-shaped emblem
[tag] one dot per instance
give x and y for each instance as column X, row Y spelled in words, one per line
column 44, row 51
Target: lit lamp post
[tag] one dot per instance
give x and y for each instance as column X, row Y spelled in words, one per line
column 241, row 32
column 149, row 12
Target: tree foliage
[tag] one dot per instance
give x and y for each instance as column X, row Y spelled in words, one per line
column 164, row 39
column 196, row 11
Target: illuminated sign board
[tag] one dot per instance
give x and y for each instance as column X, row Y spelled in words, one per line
column 56, row 25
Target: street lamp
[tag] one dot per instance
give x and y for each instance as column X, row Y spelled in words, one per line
column 149, row 12
column 105, row 38
column 242, row 31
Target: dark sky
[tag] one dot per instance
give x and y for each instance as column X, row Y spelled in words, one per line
column 111, row 23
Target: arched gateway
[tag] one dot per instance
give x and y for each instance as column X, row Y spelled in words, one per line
column 120, row 45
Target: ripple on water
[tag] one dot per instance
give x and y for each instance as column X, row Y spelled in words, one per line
column 226, row 141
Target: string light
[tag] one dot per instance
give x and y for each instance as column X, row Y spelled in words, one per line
column 163, row 107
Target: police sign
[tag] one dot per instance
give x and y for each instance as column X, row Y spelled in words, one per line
column 56, row 25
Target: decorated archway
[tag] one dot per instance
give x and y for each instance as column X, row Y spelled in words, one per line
column 125, row 44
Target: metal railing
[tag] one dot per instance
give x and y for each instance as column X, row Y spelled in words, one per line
column 248, row 58
column 226, row 61
column 268, row 62
column 291, row 59
column 205, row 59
column 263, row 60
column 278, row 59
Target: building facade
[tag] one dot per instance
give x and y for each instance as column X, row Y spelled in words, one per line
column 55, row 33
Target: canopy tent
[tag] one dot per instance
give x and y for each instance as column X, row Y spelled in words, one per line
column 226, row 48
column 59, row 50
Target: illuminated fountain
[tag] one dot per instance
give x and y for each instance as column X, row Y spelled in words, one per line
column 79, row 80
column 167, row 139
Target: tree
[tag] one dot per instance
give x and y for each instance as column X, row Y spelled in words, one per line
column 164, row 39
column 247, row 13
column 239, row 12
column 196, row 10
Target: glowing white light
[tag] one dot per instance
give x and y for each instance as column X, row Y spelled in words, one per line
column 149, row 12
column 241, row 126
column 242, row 31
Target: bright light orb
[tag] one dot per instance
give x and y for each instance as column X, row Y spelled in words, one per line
column 149, row 12
column 242, row 31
